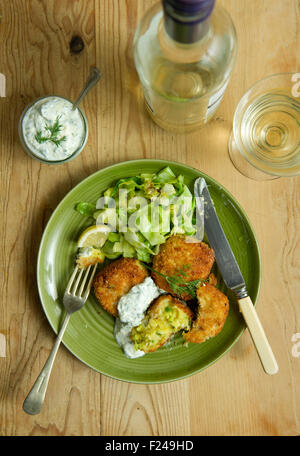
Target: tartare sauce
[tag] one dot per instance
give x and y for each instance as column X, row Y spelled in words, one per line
column 38, row 123
column 131, row 309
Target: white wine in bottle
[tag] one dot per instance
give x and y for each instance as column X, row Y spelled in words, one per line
column 184, row 51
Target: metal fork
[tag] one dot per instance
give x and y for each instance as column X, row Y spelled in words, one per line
column 72, row 302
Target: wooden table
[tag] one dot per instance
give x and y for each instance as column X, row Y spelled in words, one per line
column 234, row 396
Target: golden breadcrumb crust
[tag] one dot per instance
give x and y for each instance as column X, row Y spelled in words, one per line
column 195, row 258
column 212, row 313
column 115, row 280
column 165, row 300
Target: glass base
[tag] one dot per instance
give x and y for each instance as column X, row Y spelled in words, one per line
column 243, row 166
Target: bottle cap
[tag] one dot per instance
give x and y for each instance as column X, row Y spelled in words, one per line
column 184, row 18
column 189, row 10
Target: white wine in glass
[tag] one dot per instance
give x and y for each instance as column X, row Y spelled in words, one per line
column 265, row 140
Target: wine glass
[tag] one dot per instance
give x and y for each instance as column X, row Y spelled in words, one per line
column 265, row 140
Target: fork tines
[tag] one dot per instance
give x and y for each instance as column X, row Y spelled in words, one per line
column 79, row 278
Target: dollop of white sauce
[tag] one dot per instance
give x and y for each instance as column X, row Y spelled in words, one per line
column 45, row 112
column 131, row 309
column 122, row 335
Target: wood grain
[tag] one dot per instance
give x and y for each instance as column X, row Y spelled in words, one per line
column 232, row 397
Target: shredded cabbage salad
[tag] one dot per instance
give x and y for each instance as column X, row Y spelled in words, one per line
column 143, row 212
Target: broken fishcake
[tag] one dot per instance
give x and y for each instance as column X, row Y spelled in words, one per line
column 212, row 313
column 165, row 317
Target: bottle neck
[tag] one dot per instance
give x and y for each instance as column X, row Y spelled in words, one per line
column 187, row 21
column 186, row 33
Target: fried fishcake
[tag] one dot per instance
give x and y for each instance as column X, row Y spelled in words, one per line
column 89, row 257
column 116, row 280
column 212, row 280
column 212, row 313
column 165, row 317
column 194, row 258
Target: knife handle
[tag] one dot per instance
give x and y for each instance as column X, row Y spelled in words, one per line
column 258, row 336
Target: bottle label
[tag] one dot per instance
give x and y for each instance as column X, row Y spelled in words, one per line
column 215, row 100
column 147, row 101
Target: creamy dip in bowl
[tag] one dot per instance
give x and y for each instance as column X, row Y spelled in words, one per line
column 51, row 131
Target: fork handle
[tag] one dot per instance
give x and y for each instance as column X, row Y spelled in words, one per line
column 34, row 401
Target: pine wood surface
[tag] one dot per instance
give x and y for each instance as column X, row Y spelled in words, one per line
column 232, row 397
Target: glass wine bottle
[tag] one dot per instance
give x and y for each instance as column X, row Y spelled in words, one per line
column 184, row 52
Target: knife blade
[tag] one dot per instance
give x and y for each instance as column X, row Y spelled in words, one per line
column 225, row 258
column 233, row 277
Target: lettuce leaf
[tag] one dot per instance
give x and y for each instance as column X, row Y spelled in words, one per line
column 166, row 198
column 86, row 209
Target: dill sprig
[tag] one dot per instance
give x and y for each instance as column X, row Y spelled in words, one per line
column 178, row 284
column 53, row 132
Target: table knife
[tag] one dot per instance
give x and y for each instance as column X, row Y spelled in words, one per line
column 232, row 276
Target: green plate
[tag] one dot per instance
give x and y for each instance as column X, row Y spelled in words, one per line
column 89, row 335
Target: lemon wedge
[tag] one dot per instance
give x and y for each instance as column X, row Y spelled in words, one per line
column 94, row 236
